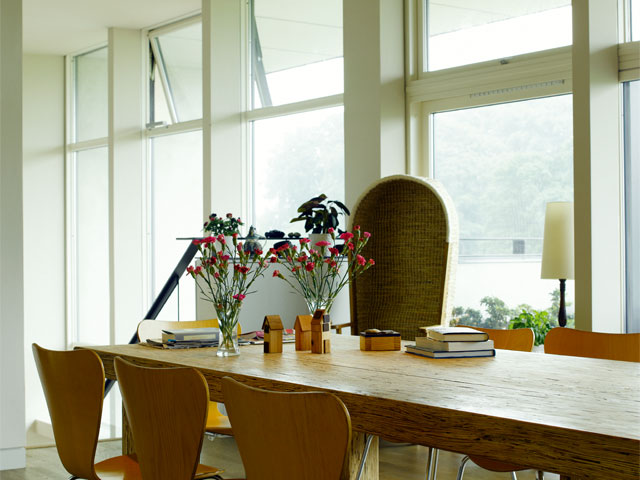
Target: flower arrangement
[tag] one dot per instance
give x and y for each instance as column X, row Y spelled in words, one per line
column 222, row 226
column 316, row 273
column 226, row 275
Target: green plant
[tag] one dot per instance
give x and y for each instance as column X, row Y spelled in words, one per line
column 538, row 321
column 222, row 226
column 320, row 214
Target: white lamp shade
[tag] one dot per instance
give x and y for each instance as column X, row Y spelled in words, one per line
column 557, row 247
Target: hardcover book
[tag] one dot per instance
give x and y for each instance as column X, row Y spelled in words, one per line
column 425, row 352
column 440, row 346
column 456, row 334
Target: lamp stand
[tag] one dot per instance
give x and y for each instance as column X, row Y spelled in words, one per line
column 562, row 311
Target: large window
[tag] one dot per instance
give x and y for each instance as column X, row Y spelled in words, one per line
column 635, row 19
column 632, row 203
column 297, row 149
column 90, row 95
column 501, row 164
column 462, row 32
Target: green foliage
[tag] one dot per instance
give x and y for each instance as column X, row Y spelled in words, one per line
column 499, row 315
column 320, row 214
column 222, row 226
column 537, row 320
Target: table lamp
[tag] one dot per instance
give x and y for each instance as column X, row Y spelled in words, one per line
column 557, row 249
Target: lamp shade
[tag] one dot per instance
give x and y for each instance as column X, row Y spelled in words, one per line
column 557, row 247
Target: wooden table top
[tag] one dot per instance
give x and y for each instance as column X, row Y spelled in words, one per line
column 574, row 416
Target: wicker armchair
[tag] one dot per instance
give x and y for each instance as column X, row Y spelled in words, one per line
column 414, row 242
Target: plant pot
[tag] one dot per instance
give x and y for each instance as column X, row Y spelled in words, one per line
column 320, row 237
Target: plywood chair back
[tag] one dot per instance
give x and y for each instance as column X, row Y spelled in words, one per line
column 414, row 242
column 519, row 339
column 167, row 410
column 216, row 421
column 73, row 384
column 578, row 343
column 288, row 435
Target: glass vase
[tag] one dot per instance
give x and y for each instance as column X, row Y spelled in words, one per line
column 228, row 341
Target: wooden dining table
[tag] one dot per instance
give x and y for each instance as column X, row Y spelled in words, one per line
column 578, row 417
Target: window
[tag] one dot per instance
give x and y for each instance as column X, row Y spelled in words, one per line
column 632, row 203
column 91, row 237
column 297, row 151
column 461, row 32
column 296, row 157
column 176, row 203
column 501, row 164
column 296, row 51
column 635, row 20
column 176, row 73
column 90, row 95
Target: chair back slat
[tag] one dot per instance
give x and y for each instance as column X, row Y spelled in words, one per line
column 288, row 435
column 73, row 384
column 414, row 242
column 578, row 343
column 167, row 411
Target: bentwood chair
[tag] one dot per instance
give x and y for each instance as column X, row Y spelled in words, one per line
column 578, row 343
column 414, row 242
column 217, row 423
column 521, row 339
column 167, row 411
column 302, row 436
column 73, row 384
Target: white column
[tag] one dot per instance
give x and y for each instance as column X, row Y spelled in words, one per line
column 374, row 100
column 597, row 166
column 126, row 181
column 224, row 99
column 12, row 353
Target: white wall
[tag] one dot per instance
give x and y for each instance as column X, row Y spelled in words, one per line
column 43, row 171
column 12, row 412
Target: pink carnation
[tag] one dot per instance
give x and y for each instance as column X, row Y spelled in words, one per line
column 360, row 259
column 239, row 297
column 323, row 243
column 346, row 236
column 310, row 266
column 304, row 240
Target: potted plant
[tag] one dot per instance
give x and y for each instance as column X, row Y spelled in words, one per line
column 320, row 214
column 538, row 321
column 226, row 226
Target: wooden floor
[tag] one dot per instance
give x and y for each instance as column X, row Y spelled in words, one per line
column 397, row 462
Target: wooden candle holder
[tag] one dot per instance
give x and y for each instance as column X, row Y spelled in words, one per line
column 379, row 340
column 272, row 326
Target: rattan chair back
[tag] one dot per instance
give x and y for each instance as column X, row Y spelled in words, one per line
column 414, row 242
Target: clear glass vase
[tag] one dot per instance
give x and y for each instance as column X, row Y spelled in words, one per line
column 228, row 341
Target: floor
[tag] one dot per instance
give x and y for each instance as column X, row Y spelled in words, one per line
column 398, row 462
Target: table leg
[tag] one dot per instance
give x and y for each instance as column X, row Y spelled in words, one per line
column 127, row 436
column 354, row 457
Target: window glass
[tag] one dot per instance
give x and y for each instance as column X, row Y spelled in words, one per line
column 635, row 20
column 501, row 164
column 461, row 32
column 296, row 157
column 176, row 198
column 296, row 50
column 632, row 202
column 90, row 89
column 179, row 62
column 92, row 246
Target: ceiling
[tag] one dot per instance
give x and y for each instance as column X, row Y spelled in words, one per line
column 59, row 27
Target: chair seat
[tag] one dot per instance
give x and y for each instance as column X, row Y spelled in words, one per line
column 216, row 422
column 125, row 467
column 495, row 466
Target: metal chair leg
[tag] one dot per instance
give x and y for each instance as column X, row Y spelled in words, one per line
column 463, row 464
column 368, row 438
column 432, row 463
column 540, row 475
column 513, row 476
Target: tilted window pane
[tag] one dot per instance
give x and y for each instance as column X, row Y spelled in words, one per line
column 296, row 157
column 176, row 195
column 501, row 164
column 632, row 202
column 461, row 32
column 296, row 51
column 90, row 91
column 92, row 246
column 180, row 53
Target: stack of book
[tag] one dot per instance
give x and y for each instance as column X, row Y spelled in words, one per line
column 186, row 338
column 453, row 342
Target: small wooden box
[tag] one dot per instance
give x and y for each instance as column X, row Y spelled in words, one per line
column 378, row 340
